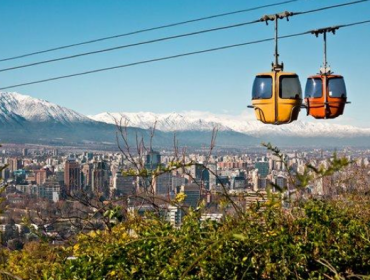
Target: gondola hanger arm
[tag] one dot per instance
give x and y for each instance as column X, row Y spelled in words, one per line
column 276, row 66
column 272, row 17
column 331, row 29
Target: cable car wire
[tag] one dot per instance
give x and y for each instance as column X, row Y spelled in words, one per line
column 331, row 7
column 169, row 38
column 132, row 45
column 354, row 23
column 148, row 29
column 173, row 57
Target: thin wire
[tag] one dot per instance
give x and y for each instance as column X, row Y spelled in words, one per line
column 331, row 7
column 174, row 56
column 147, row 30
column 151, row 61
column 131, row 45
column 169, row 38
column 355, row 23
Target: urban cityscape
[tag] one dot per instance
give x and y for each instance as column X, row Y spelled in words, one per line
column 36, row 177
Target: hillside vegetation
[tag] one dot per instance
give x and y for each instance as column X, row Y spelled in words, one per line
column 316, row 239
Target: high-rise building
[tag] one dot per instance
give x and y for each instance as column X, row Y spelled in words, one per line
column 59, row 175
column 263, row 183
column 263, row 168
column 238, row 183
column 254, row 179
column 19, row 176
column 41, row 176
column 271, row 164
column 89, row 155
column 222, row 182
column 50, row 189
column 25, row 152
column 72, row 176
column 162, row 184
column 100, row 178
column 212, row 176
column 192, row 193
column 14, row 164
column 281, row 181
column 86, row 176
column 178, row 181
column 5, row 174
column 175, row 215
column 55, row 152
column 123, row 185
column 153, row 160
column 200, row 175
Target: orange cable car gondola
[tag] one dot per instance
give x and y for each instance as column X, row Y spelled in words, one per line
column 276, row 95
column 325, row 93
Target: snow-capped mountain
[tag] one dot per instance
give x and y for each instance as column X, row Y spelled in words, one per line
column 204, row 121
column 24, row 119
column 165, row 122
column 18, row 107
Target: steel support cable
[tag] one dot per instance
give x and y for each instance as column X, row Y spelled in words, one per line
column 151, row 61
column 131, row 45
column 171, row 37
column 354, row 23
column 331, row 7
column 147, row 30
column 174, row 56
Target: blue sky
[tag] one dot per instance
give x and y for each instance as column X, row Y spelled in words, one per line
column 218, row 82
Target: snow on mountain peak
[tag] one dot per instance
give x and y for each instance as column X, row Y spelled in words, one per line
column 35, row 110
column 164, row 122
column 17, row 107
column 205, row 121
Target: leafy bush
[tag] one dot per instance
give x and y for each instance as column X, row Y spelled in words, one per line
column 310, row 240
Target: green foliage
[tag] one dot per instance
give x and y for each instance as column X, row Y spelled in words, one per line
column 37, row 261
column 314, row 239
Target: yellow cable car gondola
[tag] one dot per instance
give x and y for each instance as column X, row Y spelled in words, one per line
column 325, row 93
column 276, row 95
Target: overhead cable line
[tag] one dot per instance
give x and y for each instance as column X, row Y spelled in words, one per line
column 141, row 62
column 171, row 37
column 331, row 7
column 131, row 45
column 175, row 56
column 148, row 29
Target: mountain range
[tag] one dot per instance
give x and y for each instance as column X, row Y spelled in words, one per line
column 205, row 121
column 24, row 119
